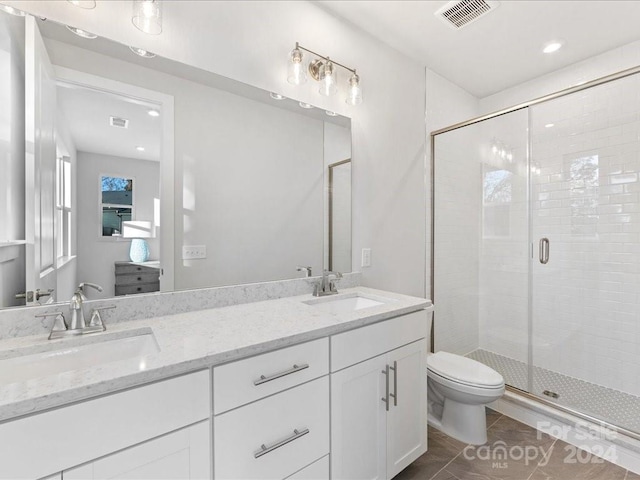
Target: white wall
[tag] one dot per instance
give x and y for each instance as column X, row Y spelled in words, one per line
column 12, row 278
column 612, row 61
column 97, row 254
column 250, row 41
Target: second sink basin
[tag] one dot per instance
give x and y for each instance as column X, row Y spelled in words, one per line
column 64, row 357
column 345, row 303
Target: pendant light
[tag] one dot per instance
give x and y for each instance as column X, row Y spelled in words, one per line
column 147, row 16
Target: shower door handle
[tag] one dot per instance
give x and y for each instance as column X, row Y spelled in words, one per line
column 544, row 250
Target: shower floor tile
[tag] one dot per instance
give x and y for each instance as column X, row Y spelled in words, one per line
column 612, row 406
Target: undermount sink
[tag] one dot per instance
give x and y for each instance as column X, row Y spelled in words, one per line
column 24, row 364
column 345, row 303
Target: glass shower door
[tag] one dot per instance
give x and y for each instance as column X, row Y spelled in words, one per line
column 481, row 236
column 585, row 240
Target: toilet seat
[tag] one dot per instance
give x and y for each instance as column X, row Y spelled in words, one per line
column 460, row 370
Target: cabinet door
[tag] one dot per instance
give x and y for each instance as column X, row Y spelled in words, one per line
column 184, row 454
column 407, row 416
column 358, row 421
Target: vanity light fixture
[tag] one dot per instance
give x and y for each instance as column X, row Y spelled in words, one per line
column 142, row 52
column 82, row 33
column 12, row 11
column 147, row 16
column 86, row 4
column 323, row 70
column 305, row 105
column 277, row 96
column 552, row 47
column 153, row 113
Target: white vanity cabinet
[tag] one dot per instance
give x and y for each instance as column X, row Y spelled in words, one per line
column 125, row 422
column 184, row 454
column 378, row 398
column 282, row 424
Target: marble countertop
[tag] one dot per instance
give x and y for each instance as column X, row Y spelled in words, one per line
column 188, row 342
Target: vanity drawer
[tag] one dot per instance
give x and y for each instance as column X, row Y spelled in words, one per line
column 240, row 434
column 367, row 342
column 317, row 470
column 126, row 268
column 240, row 382
column 137, row 278
column 139, row 288
column 49, row 442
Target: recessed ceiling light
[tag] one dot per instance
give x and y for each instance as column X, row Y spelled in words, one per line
column 12, row 11
column 82, row 33
column 552, row 47
column 330, row 113
column 549, row 125
column 140, row 149
column 277, row 96
column 142, row 52
column 305, row 105
column 153, row 113
column 86, row 4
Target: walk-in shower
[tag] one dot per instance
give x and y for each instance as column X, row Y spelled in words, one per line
column 536, row 246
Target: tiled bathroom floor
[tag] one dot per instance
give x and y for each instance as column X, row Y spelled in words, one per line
column 610, row 405
column 530, row 455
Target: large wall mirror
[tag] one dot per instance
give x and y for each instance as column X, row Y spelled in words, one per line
column 143, row 174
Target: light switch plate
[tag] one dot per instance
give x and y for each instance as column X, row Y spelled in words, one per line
column 194, row 252
column 366, row 257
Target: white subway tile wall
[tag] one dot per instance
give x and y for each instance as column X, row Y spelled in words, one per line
column 586, row 300
column 457, row 190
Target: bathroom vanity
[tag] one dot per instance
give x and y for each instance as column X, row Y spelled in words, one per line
column 298, row 387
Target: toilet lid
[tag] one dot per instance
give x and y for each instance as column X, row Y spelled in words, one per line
column 463, row 370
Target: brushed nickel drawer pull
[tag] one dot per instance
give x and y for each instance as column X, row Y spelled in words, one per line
column 296, row 435
column 395, row 383
column 385, row 399
column 294, row 369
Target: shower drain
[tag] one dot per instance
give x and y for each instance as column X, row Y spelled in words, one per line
column 551, row 394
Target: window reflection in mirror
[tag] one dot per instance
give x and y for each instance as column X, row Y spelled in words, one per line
column 117, row 204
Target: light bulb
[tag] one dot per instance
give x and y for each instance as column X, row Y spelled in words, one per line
column 328, row 80
column 297, row 75
column 354, row 93
column 147, row 16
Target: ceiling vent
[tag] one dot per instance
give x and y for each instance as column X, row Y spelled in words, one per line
column 118, row 122
column 457, row 14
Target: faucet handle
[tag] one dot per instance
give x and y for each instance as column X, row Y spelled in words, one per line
column 96, row 319
column 59, row 323
column 87, row 284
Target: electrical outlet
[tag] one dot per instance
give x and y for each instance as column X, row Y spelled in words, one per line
column 194, row 252
column 366, row 257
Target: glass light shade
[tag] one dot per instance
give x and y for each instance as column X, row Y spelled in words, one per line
column 296, row 75
column 147, row 16
column 354, row 92
column 82, row 33
column 86, row 4
column 328, row 80
column 142, row 52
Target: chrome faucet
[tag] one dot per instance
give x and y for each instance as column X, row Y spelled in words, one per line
column 306, row 270
column 78, row 324
column 327, row 286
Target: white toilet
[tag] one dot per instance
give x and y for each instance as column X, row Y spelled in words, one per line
column 459, row 389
